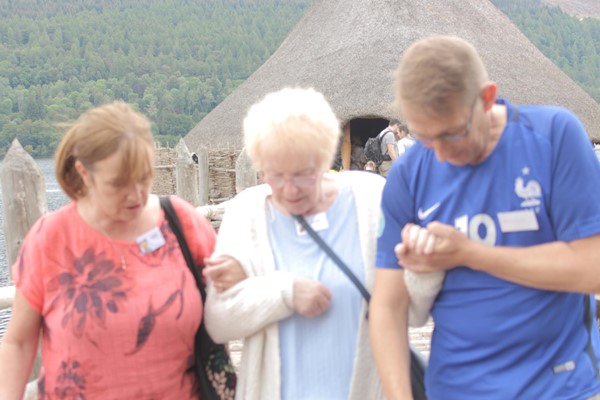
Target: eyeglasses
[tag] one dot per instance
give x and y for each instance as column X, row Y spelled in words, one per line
column 299, row 181
column 449, row 137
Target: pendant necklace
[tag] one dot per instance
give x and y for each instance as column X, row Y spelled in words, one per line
column 116, row 250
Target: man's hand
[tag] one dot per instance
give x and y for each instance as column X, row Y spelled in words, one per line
column 437, row 247
column 311, row 298
column 224, row 272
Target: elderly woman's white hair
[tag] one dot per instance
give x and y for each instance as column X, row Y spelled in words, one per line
column 292, row 119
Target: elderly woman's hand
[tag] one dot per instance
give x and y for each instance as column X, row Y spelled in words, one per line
column 311, row 298
column 224, row 272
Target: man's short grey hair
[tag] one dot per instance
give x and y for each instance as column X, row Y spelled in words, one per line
column 438, row 74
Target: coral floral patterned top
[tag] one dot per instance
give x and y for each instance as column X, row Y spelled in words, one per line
column 111, row 332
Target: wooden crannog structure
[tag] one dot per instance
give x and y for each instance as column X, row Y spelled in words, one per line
column 349, row 49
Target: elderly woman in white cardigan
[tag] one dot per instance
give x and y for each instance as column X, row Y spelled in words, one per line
column 302, row 320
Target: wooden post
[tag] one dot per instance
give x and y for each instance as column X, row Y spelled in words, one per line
column 245, row 174
column 346, row 148
column 23, row 197
column 202, row 156
column 24, row 202
column 186, row 175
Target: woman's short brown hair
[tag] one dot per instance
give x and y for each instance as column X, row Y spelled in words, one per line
column 99, row 133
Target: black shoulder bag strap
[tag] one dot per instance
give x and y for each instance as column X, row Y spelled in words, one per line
column 365, row 293
column 165, row 203
column 382, row 134
column 204, row 346
column 417, row 362
column 589, row 325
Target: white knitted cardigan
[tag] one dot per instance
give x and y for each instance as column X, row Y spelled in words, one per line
column 252, row 308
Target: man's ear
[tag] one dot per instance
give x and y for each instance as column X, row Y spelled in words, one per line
column 488, row 94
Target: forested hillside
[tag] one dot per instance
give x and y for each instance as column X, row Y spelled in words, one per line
column 177, row 59
column 174, row 59
column 578, row 8
column 571, row 43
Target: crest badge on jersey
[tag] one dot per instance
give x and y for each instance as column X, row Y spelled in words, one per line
column 528, row 190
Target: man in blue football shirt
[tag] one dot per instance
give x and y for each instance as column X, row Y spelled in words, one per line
column 505, row 200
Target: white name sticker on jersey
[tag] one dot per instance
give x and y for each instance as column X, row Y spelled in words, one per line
column 518, row 221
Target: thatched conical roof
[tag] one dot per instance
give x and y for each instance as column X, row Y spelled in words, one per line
column 349, row 49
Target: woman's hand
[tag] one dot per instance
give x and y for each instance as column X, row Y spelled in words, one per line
column 224, row 272
column 311, row 298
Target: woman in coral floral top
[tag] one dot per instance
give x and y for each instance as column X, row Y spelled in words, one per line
column 103, row 278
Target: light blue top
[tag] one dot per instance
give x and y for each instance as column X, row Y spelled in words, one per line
column 317, row 354
column 494, row 339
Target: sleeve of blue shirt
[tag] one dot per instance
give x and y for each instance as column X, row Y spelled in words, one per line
column 575, row 197
column 397, row 210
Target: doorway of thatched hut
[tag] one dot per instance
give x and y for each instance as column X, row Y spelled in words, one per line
column 355, row 135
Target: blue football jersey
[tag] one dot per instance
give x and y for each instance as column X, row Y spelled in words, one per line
column 494, row 339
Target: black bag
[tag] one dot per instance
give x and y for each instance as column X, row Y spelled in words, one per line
column 215, row 371
column 373, row 148
column 418, row 364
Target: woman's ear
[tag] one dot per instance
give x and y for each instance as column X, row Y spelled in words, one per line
column 83, row 173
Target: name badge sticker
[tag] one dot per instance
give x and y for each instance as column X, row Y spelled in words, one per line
column 518, row 221
column 318, row 222
column 150, row 241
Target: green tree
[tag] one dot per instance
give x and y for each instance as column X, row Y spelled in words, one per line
column 173, row 60
column 572, row 44
column 34, row 106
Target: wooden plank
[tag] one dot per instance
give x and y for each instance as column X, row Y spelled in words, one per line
column 245, row 174
column 23, row 197
column 186, row 175
column 346, row 148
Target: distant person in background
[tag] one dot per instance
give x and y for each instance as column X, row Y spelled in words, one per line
column 405, row 142
column 370, row 166
column 389, row 137
column 357, row 157
column 596, row 144
column 103, row 278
